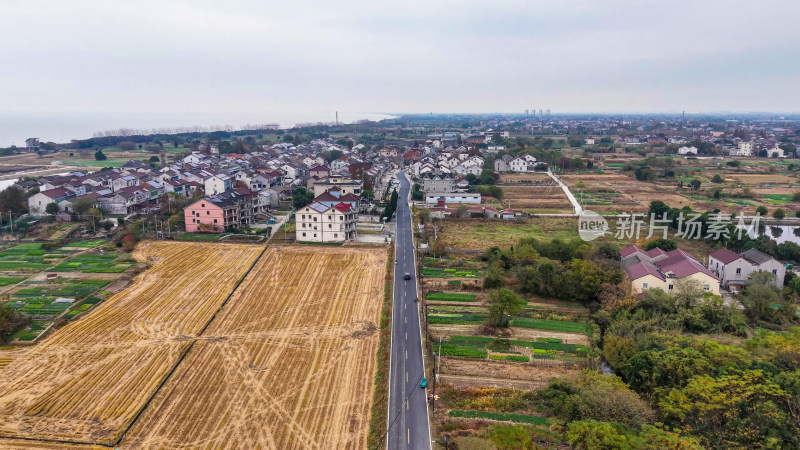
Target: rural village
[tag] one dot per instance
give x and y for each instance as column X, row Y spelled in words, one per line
column 426, row 279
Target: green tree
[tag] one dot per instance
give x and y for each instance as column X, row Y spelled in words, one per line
column 717, row 179
column 658, row 208
column 11, row 322
column 503, row 303
column 761, row 210
column 301, row 197
column 12, row 199
column 617, row 350
column 424, row 215
column 738, row 410
column 695, row 184
column 154, row 159
column 664, row 244
column 495, row 276
column 51, row 208
column 779, row 213
column 100, row 156
column 82, row 206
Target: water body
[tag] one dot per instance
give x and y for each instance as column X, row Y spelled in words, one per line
column 63, row 127
column 780, row 233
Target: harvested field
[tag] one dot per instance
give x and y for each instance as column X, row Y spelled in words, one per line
column 533, row 198
column 756, row 179
column 480, row 234
column 288, row 363
column 88, row 379
column 500, row 374
column 529, row 177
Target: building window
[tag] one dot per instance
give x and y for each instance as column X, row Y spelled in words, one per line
column 644, row 285
column 739, row 270
column 335, row 235
column 330, row 225
column 304, row 235
column 706, row 287
column 215, row 220
column 202, row 205
column 315, row 234
column 774, row 271
column 670, row 287
column 208, row 213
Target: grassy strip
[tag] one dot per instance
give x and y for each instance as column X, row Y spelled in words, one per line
column 467, row 351
column 438, row 272
column 456, row 319
column 199, row 237
column 505, row 417
column 515, row 358
column 380, row 399
column 5, row 281
column 454, row 297
column 552, row 325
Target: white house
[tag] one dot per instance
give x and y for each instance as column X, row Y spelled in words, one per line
column 38, row 202
column 217, row 184
column 775, row 152
column 518, row 164
column 734, row 268
column 433, row 198
column 687, row 150
column 318, row 222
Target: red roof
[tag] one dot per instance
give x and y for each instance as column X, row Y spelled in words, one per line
column 343, row 207
column 629, row 250
column 642, row 269
column 724, row 255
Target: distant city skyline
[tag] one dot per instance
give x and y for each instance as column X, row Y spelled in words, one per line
column 247, row 56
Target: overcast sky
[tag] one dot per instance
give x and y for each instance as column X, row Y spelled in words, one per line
column 399, row 56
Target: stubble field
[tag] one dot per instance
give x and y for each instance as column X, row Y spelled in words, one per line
column 87, row 380
column 289, row 362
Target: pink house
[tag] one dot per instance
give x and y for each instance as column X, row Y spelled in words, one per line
column 203, row 215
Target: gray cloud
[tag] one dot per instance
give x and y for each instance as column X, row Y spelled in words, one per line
column 410, row 56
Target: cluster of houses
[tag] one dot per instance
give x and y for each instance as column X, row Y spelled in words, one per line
column 233, row 190
column 655, row 268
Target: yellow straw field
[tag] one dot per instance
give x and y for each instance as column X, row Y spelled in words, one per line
column 86, row 381
column 288, row 363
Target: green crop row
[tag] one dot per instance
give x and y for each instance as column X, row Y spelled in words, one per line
column 552, row 325
column 445, row 296
column 515, row 358
column 505, row 417
column 5, row 281
column 463, row 350
column 463, row 319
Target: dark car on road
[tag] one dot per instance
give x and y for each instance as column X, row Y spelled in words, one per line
column 407, row 276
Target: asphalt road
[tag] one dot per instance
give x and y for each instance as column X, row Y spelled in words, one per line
column 408, row 409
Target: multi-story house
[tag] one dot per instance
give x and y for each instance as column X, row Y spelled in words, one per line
column 217, row 184
column 438, row 183
column 734, row 268
column 319, row 222
column 230, row 209
column 38, row 202
column 346, row 184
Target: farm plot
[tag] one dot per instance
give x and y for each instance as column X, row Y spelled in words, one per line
column 289, row 362
column 45, row 301
column 90, row 377
column 537, row 199
column 29, row 258
column 94, row 263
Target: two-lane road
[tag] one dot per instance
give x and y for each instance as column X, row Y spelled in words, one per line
column 408, row 408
